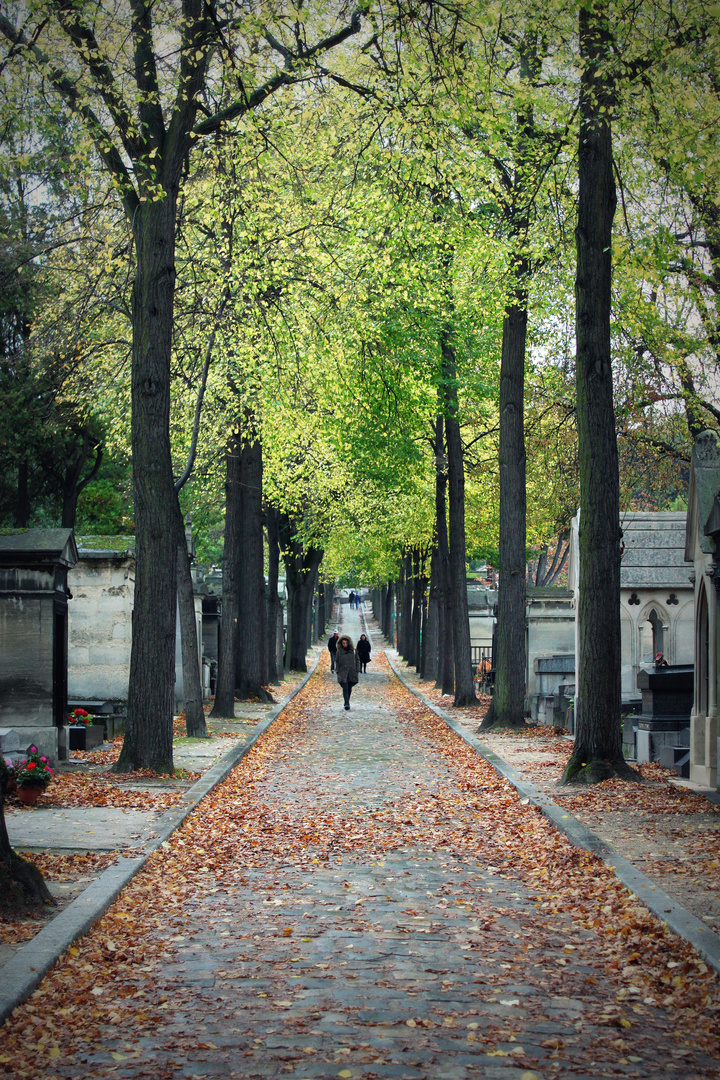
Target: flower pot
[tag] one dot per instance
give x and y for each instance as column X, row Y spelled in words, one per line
column 29, row 793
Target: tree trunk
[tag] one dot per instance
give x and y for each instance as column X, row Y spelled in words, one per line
column 422, row 618
column 300, row 569
column 387, row 613
column 446, row 653
column 597, row 753
column 273, row 602
column 22, row 508
column 72, row 482
column 430, row 632
column 195, row 725
column 149, row 728
column 508, row 702
column 227, row 659
column 419, row 586
column 251, row 576
column 21, row 883
column 407, row 595
column 464, row 685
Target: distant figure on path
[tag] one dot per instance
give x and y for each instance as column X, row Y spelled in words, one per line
column 357, row 600
column 363, row 652
column 346, row 667
column 332, row 648
column 352, row 599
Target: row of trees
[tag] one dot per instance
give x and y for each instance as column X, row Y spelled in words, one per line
column 325, row 259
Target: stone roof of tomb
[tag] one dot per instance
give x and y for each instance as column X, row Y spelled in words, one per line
column 21, row 547
column 106, row 547
column 654, row 555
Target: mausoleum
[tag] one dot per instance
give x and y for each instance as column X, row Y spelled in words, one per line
column 34, row 594
column 656, row 594
column 702, row 549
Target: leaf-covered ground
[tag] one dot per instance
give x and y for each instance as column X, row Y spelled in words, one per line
column 364, row 896
column 670, row 832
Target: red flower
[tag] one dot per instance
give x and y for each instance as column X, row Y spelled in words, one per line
column 30, row 765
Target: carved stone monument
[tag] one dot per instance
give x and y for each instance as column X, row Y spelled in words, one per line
column 34, row 596
column 702, row 549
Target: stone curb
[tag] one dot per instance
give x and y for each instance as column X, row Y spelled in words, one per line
column 21, row 975
column 676, row 917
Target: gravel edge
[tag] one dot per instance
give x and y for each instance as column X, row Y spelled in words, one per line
column 22, row 974
column 673, row 915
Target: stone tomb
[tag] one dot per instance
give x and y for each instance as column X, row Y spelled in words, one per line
column 667, row 697
column 34, row 594
column 656, row 594
column 702, row 549
column 100, row 629
column 550, row 641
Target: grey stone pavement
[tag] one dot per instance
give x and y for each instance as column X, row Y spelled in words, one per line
column 412, row 964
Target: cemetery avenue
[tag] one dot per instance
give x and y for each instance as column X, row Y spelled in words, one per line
column 364, row 896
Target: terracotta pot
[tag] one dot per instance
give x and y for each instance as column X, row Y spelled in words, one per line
column 29, row 793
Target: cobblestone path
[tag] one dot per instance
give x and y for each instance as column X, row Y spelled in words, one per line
column 414, row 963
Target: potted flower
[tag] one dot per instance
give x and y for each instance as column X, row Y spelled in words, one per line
column 79, row 718
column 32, row 775
column 83, row 732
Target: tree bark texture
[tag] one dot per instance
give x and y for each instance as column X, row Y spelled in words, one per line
column 388, row 609
column 149, row 728
column 224, row 705
column 21, row 883
column 73, row 482
column 300, row 569
column 464, row 684
column 598, row 741
column 419, row 588
column 508, row 702
column 430, row 632
column 446, row 652
column 406, row 640
column 273, row 601
column 195, row 725
column 22, row 507
column 251, row 576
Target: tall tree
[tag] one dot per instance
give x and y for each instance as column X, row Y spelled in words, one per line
column 464, row 684
column 143, row 139
column 597, row 753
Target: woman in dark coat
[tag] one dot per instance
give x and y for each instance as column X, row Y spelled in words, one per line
column 346, row 666
column 363, row 652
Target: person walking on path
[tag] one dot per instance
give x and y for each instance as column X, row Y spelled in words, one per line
column 363, row 653
column 351, row 598
column 332, row 648
column 347, row 667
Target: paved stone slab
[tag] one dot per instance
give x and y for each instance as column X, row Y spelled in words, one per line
column 100, row 828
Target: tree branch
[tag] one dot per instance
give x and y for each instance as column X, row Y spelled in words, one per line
column 187, row 471
column 63, row 85
column 245, row 104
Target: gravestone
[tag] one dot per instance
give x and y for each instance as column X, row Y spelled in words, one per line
column 34, row 596
column 550, row 621
column 667, row 699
